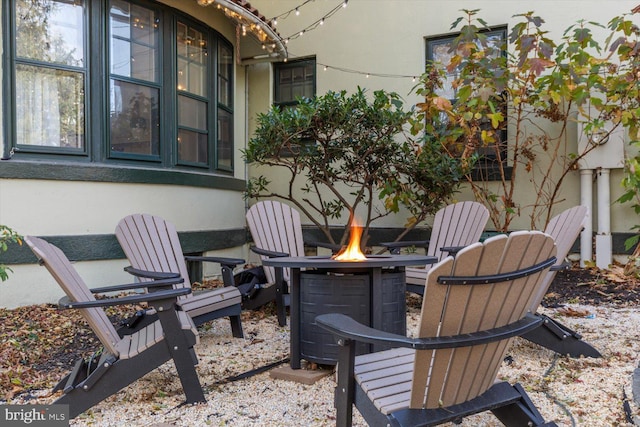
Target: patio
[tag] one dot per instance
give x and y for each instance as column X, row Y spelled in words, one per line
column 568, row 391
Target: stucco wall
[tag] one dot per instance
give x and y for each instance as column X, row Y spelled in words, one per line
column 387, row 37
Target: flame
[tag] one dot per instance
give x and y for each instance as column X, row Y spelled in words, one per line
column 352, row 252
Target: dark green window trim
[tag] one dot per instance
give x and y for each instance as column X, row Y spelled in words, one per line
column 96, row 135
column 70, row 171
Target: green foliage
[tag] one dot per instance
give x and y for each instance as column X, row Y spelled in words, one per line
column 7, row 235
column 541, row 88
column 342, row 152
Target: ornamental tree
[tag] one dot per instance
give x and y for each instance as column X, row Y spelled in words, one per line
column 340, row 153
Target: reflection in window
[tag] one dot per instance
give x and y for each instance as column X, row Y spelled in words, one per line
column 134, row 41
column 49, row 74
column 193, row 96
column 224, row 153
column 52, row 34
column 192, row 60
column 134, row 119
column 134, row 114
column 295, row 79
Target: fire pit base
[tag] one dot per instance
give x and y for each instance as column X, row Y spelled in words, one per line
column 352, row 294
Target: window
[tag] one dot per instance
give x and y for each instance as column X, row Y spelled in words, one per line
column 294, row 79
column 439, row 50
column 168, row 96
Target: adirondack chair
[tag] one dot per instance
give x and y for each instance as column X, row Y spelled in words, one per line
column 122, row 360
column 151, row 244
column 276, row 231
column 564, row 228
column 454, row 227
column 472, row 307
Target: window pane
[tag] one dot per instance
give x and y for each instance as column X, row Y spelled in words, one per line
column 53, row 33
column 192, row 113
column 192, row 60
column 225, row 139
column 295, row 80
column 49, row 107
column 192, row 147
column 134, row 118
column 134, row 41
column 225, row 71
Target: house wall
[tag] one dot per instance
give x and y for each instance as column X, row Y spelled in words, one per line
column 81, row 208
column 388, row 37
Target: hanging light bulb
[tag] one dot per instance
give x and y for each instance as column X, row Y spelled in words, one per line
column 324, row 68
column 297, row 12
column 345, row 3
column 274, row 22
column 367, row 75
column 322, row 21
column 301, row 32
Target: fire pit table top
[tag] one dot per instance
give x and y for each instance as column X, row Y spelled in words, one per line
column 372, row 261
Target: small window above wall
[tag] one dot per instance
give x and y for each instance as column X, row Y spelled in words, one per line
column 294, row 79
column 492, row 159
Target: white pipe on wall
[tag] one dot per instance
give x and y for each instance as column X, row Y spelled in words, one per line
column 586, row 199
column 604, row 256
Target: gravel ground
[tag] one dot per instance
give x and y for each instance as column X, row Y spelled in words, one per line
column 580, row 392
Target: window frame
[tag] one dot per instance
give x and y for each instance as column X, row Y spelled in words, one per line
column 97, row 144
column 278, row 67
column 487, row 167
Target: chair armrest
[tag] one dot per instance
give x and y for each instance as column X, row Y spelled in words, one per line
column 150, row 274
column 452, row 250
column 564, row 266
column 227, row 262
column 394, row 247
column 345, row 327
column 65, row 302
column 270, row 254
column 137, row 285
column 333, row 246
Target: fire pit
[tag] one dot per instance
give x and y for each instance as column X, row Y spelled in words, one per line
column 371, row 290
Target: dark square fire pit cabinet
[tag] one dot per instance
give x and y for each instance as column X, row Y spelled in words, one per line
column 370, row 291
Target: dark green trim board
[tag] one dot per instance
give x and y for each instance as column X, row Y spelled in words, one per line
column 72, row 171
column 105, row 246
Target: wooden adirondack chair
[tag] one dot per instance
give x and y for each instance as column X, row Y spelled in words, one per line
column 564, row 228
column 152, row 244
column 454, row 227
column 122, row 360
column 276, row 231
column 473, row 305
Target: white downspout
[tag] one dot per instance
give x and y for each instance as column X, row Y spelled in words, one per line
column 586, row 199
column 603, row 236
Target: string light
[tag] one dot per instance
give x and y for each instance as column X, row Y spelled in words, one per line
column 326, row 67
column 317, row 23
column 286, row 14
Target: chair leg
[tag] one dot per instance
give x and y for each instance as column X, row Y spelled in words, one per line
column 345, row 389
column 236, row 326
column 521, row 412
column 557, row 337
column 281, row 307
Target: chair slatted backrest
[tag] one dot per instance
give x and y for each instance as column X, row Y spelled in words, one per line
column 450, row 376
column 151, row 243
column 565, row 229
column 276, row 226
column 458, row 224
column 57, row 263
